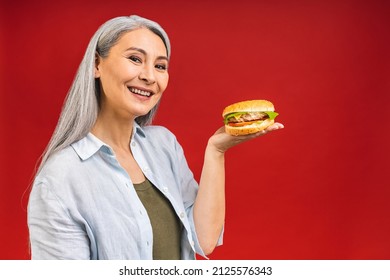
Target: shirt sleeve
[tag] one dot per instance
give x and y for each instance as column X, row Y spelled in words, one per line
column 189, row 192
column 53, row 233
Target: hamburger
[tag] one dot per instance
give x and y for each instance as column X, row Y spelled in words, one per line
column 247, row 117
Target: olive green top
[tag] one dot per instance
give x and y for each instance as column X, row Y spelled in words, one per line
column 166, row 225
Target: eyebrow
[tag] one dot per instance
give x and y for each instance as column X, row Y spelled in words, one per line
column 145, row 53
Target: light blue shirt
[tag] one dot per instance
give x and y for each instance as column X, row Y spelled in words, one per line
column 83, row 204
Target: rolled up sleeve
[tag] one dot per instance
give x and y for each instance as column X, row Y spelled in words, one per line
column 53, row 233
column 189, row 192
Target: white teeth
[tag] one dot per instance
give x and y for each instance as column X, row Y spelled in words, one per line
column 141, row 92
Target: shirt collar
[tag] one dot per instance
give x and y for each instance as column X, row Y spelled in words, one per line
column 90, row 144
column 139, row 130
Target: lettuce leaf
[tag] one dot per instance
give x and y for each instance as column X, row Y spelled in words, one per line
column 271, row 115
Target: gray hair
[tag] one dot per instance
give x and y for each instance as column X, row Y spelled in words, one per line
column 81, row 107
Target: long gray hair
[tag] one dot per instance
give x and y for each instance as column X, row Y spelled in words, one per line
column 81, row 107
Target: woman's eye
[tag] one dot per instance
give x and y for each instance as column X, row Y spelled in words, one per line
column 135, row 58
column 161, row 67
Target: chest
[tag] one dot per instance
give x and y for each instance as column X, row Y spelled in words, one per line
column 130, row 166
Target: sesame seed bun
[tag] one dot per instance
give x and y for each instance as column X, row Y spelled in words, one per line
column 249, row 106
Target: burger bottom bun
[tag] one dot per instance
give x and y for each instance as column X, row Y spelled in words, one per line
column 248, row 129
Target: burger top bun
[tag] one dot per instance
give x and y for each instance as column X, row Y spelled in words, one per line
column 249, row 106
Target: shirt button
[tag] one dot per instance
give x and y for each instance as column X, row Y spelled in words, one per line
column 133, row 144
column 165, row 189
column 140, row 211
column 147, row 243
column 192, row 243
column 182, row 215
column 146, row 169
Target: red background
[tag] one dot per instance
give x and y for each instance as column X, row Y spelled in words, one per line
column 319, row 189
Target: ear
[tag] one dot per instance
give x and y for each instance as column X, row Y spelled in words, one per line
column 97, row 62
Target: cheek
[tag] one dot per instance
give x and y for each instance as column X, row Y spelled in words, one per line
column 164, row 82
column 115, row 77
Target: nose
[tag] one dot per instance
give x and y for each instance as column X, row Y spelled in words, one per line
column 147, row 74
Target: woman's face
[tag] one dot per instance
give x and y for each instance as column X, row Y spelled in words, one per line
column 134, row 74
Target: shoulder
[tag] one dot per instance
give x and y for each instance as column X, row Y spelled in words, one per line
column 156, row 133
column 59, row 166
column 157, row 130
column 160, row 141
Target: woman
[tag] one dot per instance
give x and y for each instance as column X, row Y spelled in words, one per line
column 112, row 186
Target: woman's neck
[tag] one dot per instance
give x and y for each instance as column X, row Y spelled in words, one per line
column 113, row 131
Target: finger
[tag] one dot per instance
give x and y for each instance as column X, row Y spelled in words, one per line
column 275, row 126
column 254, row 135
column 272, row 127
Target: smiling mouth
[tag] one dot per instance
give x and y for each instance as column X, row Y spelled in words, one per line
column 140, row 92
